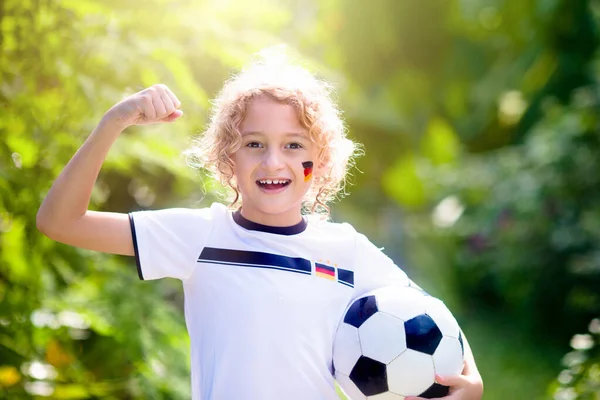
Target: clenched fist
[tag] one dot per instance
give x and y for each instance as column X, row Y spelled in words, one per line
column 153, row 105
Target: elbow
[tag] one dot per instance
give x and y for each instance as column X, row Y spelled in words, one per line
column 57, row 228
column 41, row 222
column 44, row 224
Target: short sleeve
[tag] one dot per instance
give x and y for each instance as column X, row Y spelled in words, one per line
column 167, row 242
column 374, row 269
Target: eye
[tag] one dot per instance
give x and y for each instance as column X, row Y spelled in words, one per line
column 254, row 145
column 293, row 146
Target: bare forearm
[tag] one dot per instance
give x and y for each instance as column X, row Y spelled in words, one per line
column 469, row 357
column 69, row 197
column 471, row 374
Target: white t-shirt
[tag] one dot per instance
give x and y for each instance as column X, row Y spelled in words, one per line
column 262, row 304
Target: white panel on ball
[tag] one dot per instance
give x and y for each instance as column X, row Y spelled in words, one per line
column 387, row 396
column 382, row 337
column 411, row 373
column 402, row 302
column 347, row 349
column 443, row 318
column 348, row 387
column 447, row 359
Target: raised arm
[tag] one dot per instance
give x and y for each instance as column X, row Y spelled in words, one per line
column 64, row 215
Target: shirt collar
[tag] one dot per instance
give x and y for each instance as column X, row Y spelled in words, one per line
column 277, row 230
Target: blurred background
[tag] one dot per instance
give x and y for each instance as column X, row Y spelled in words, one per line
column 481, row 175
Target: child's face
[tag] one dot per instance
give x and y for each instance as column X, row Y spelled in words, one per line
column 268, row 166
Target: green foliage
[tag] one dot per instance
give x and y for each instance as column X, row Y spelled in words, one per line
column 581, row 377
column 75, row 324
column 526, row 241
column 528, row 237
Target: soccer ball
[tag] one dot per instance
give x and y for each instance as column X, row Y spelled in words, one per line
column 392, row 342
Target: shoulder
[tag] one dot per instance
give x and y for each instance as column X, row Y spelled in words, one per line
column 333, row 230
column 343, row 232
column 184, row 216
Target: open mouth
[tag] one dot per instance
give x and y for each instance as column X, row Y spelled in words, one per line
column 273, row 184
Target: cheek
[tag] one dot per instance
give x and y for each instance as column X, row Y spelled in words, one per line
column 239, row 161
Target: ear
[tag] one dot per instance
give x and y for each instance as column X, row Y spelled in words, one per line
column 233, row 165
column 321, row 165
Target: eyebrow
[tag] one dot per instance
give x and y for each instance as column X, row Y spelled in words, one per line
column 288, row 134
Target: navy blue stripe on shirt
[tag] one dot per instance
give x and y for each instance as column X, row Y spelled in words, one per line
column 346, row 277
column 256, row 259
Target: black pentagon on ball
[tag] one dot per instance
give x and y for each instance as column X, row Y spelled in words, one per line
column 369, row 376
column 360, row 311
column 422, row 334
column 435, row 391
column 462, row 346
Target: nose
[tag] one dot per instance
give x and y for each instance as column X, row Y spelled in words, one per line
column 273, row 160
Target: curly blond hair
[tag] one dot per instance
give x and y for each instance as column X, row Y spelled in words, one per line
column 317, row 113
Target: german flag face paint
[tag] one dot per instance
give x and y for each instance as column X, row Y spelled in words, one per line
column 308, row 167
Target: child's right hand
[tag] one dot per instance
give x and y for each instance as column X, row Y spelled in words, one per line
column 153, row 105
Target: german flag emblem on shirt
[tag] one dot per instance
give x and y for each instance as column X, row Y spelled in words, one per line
column 324, row 271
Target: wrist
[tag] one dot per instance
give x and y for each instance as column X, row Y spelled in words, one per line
column 111, row 121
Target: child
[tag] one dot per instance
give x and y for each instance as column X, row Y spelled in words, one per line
column 260, row 313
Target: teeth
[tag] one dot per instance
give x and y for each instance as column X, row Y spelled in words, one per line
column 273, row 181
